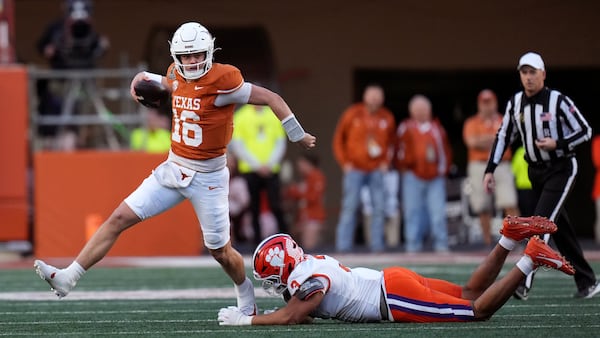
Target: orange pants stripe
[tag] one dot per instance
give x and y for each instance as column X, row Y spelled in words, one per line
column 414, row 298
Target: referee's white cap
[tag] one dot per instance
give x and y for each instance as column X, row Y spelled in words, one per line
column 531, row 59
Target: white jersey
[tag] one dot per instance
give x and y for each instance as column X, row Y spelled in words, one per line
column 350, row 294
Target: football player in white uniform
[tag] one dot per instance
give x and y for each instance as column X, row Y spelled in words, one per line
column 204, row 95
column 317, row 286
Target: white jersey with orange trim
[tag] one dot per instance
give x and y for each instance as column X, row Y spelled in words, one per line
column 352, row 295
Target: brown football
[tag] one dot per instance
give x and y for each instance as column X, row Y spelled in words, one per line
column 151, row 93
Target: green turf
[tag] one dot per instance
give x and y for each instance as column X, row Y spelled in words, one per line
column 550, row 311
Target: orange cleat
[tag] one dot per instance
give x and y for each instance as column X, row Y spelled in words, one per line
column 542, row 255
column 520, row 228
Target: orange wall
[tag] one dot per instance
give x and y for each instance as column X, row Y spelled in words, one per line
column 13, row 153
column 319, row 44
column 71, row 189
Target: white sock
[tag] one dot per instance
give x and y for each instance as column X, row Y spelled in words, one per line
column 525, row 264
column 74, row 271
column 245, row 288
column 507, row 243
column 245, row 297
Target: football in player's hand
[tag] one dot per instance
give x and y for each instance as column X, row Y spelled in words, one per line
column 151, row 93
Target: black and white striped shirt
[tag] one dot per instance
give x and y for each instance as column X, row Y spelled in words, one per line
column 546, row 114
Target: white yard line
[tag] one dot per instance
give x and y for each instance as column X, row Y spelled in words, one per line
column 202, row 293
column 365, row 259
column 356, row 259
column 315, row 329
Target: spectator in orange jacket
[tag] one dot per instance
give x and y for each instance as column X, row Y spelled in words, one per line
column 361, row 144
column 423, row 155
column 479, row 133
column 310, row 196
column 596, row 191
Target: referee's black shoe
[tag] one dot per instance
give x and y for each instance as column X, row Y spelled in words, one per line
column 588, row 292
column 521, row 293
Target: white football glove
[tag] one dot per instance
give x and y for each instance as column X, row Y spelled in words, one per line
column 232, row 315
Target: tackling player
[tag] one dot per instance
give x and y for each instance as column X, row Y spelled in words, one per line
column 203, row 98
column 317, row 286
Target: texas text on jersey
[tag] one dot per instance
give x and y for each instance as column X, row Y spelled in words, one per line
column 201, row 129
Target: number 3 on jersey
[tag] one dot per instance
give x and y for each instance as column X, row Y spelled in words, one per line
column 185, row 128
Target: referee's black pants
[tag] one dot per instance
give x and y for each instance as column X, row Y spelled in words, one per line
column 272, row 186
column 552, row 183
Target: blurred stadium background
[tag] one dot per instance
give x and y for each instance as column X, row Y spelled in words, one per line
column 317, row 54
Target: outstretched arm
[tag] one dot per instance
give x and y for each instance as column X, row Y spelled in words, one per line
column 296, row 311
column 263, row 96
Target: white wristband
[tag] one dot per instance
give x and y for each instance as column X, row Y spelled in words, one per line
column 153, row 77
column 293, row 129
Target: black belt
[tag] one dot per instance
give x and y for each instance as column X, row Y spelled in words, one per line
column 383, row 307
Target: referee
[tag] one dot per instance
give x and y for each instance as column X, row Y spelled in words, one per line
column 550, row 127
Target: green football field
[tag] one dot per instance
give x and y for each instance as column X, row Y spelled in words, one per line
column 28, row 309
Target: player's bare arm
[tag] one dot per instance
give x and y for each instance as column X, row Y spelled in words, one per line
column 263, row 96
column 296, row 311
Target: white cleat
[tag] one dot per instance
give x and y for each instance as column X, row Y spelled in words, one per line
column 58, row 283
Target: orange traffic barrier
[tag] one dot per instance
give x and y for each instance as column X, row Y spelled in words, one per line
column 92, row 223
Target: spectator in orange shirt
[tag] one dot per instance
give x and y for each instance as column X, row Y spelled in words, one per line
column 423, row 155
column 309, row 194
column 479, row 133
column 362, row 138
column 596, row 191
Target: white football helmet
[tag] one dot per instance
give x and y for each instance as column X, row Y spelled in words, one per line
column 190, row 38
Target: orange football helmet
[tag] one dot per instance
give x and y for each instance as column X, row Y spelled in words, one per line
column 273, row 261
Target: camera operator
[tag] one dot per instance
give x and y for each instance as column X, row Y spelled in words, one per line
column 72, row 42
column 68, row 43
